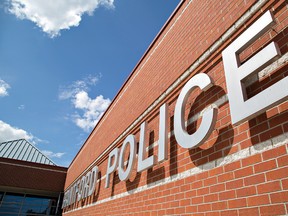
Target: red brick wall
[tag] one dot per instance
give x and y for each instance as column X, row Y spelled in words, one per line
column 239, row 169
column 33, row 176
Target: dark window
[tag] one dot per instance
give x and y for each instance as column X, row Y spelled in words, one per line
column 1, row 197
column 38, row 205
column 28, row 205
column 11, row 203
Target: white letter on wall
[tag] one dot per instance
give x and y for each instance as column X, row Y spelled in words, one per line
column 163, row 134
column 111, row 167
column 242, row 108
column 93, row 179
column 144, row 164
column 208, row 119
column 125, row 174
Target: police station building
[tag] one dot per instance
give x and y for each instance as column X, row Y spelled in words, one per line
column 200, row 127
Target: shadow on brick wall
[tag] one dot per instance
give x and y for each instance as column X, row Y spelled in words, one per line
column 157, row 172
column 220, row 141
column 273, row 122
column 97, row 190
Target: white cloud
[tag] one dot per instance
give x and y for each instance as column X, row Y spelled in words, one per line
column 51, row 154
column 92, row 109
column 3, row 88
column 52, row 16
column 8, row 132
column 21, row 107
column 89, row 110
column 67, row 92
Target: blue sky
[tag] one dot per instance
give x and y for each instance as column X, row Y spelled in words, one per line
column 62, row 63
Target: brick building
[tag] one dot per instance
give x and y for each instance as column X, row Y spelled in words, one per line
column 200, row 126
column 30, row 183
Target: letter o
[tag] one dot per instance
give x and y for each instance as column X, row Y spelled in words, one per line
column 125, row 174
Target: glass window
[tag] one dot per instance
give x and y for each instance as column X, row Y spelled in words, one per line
column 9, row 208
column 36, row 200
column 38, row 205
column 36, row 209
column 18, row 204
column 13, row 198
column 11, row 203
column 1, row 196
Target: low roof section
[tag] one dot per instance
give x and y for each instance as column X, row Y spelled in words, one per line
column 23, row 168
column 23, row 150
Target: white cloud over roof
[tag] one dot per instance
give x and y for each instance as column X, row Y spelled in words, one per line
column 3, row 88
column 52, row 16
column 51, row 154
column 8, row 132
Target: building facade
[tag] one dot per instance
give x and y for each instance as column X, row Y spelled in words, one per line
column 200, row 126
column 30, row 183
